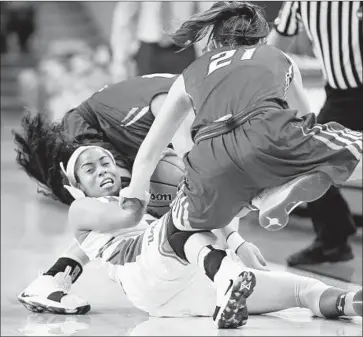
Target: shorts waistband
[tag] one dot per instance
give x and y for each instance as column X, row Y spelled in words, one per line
column 219, row 128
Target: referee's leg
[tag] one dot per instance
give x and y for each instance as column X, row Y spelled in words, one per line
column 332, row 219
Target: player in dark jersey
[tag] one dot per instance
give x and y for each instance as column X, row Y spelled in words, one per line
column 248, row 135
column 117, row 117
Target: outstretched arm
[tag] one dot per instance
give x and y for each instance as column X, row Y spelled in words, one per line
column 182, row 140
column 174, row 111
column 90, row 214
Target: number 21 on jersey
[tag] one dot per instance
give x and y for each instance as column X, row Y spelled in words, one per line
column 225, row 58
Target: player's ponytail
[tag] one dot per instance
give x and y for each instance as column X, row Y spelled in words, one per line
column 41, row 146
column 232, row 23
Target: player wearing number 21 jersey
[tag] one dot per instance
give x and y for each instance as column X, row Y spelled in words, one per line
column 248, row 135
column 252, row 131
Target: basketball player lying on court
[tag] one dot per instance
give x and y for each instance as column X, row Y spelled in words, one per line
column 139, row 258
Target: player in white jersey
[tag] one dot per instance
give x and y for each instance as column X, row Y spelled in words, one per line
column 157, row 281
column 142, row 262
column 92, row 172
column 140, row 259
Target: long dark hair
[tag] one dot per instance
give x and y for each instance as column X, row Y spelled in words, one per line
column 230, row 23
column 42, row 145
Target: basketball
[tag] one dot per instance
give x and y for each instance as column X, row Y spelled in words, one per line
column 163, row 184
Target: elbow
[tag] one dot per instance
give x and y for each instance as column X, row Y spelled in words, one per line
column 118, row 218
column 119, row 221
column 80, row 219
column 85, row 223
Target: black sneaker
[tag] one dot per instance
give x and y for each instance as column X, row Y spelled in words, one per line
column 318, row 253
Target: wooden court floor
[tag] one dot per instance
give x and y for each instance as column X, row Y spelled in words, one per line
column 34, row 232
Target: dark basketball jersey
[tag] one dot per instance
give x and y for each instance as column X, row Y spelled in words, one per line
column 121, row 112
column 228, row 80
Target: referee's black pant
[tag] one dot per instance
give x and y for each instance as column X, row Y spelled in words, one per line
column 331, row 216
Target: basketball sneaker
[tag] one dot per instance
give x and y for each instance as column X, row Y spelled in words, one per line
column 234, row 286
column 50, row 294
column 275, row 204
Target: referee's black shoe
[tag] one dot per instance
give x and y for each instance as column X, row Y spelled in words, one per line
column 319, row 253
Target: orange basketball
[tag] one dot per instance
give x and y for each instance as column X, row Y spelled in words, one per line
column 163, row 184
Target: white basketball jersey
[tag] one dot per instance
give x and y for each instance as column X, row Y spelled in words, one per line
column 142, row 262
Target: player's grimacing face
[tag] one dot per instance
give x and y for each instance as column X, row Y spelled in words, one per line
column 97, row 174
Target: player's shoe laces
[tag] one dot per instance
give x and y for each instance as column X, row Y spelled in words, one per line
column 50, row 294
column 234, row 286
column 275, row 204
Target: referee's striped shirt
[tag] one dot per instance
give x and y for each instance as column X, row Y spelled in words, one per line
column 336, row 31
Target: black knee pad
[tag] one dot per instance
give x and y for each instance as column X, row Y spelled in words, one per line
column 178, row 238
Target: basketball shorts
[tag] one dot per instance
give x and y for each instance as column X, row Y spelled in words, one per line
column 225, row 172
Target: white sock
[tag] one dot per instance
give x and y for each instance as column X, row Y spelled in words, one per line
column 348, row 308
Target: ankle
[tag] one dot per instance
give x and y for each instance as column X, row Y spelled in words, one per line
column 61, row 265
column 336, row 302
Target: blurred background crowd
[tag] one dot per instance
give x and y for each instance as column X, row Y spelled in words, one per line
column 63, row 52
column 54, row 55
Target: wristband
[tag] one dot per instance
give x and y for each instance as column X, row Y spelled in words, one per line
column 234, row 241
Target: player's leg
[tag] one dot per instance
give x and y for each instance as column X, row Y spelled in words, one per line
column 276, row 291
column 209, row 198
column 146, row 268
column 49, row 292
column 73, row 257
column 170, row 286
column 234, row 285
